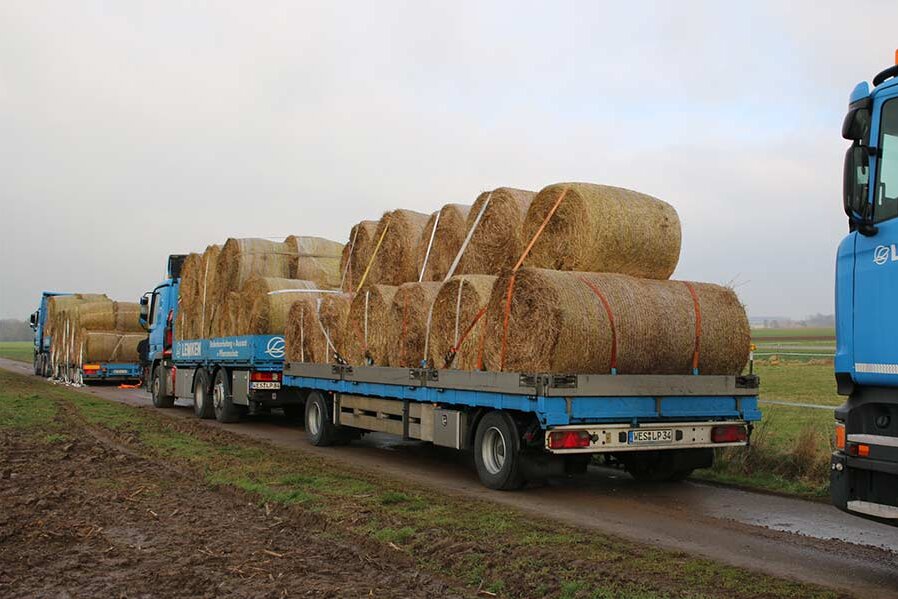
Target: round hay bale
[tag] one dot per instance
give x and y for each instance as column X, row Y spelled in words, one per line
column 298, row 335
column 394, row 263
column 598, row 228
column 227, row 316
column 497, row 242
column 265, row 303
column 108, row 346
column 367, row 329
column 308, row 322
column 315, row 259
column 558, row 324
column 206, row 306
column 59, row 304
column 356, row 254
column 408, row 323
column 455, row 308
column 189, row 291
column 450, row 234
column 242, row 259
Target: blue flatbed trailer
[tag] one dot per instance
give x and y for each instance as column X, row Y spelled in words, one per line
column 523, row 426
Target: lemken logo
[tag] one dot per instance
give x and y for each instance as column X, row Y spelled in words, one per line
column 275, row 347
column 191, row 350
column 884, row 253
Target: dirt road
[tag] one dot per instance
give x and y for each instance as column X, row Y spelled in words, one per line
column 789, row 538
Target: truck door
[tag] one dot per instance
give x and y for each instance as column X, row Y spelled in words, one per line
column 876, row 262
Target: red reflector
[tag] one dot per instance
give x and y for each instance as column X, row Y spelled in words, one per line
column 856, row 450
column 568, row 439
column 732, row 433
column 265, row 376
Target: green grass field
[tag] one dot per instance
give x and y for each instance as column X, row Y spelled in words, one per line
column 787, row 333
column 17, row 350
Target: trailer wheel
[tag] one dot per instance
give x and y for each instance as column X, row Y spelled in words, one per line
column 156, row 390
column 497, row 452
column 37, row 364
column 320, row 428
column 202, row 395
column 222, row 401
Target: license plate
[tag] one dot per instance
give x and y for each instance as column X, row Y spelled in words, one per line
column 265, row 385
column 119, row 372
column 650, row 436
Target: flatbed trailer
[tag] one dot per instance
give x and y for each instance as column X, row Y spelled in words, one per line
column 110, row 372
column 524, row 426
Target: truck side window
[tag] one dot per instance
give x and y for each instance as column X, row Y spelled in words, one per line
column 886, row 205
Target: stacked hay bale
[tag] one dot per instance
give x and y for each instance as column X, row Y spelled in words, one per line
column 407, row 323
column 398, row 234
column 440, row 241
column 572, row 322
column 356, row 254
column 497, row 239
column 61, row 327
column 90, row 329
column 264, row 302
column 367, row 331
column 315, row 259
column 316, row 327
column 457, row 321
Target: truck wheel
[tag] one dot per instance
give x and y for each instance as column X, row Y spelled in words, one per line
column 320, row 428
column 157, row 390
column 45, row 367
column 222, row 401
column 37, row 364
column 497, row 452
column 202, row 395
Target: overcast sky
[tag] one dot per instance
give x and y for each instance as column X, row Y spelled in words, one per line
column 132, row 130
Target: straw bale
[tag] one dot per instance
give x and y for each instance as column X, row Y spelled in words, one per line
column 264, row 303
column 449, row 236
column 307, row 322
column 558, row 324
column 453, row 314
column 497, row 242
column 394, row 263
column 598, row 228
column 242, row 259
column 356, row 253
column 315, row 259
column 189, row 291
column 58, row 304
column 367, row 329
column 109, row 346
column 226, row 320
column 408, row 323
column 206, row 306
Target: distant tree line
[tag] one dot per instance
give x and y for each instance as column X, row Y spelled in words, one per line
column 15, row 330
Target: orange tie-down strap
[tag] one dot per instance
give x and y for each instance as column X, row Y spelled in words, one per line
column 610, row 315
column 450, row 357
column 698, row 325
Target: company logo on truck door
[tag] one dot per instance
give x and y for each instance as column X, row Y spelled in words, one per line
column 884, row 253
column 275, row 347
column 190, row 350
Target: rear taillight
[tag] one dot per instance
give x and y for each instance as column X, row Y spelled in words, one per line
column 569, row 439
column 858, row 450
column 729, row 433
column 265, row 376
column 840, row 436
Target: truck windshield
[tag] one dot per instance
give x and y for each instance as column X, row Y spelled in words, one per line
column 886, row 205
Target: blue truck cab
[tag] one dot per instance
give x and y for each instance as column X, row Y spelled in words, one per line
column 38, row 322
column 224, row 377
column 864, row 472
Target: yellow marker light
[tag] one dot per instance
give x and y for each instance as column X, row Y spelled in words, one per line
column 87, row 367
column 840, row 436
column 896, row 56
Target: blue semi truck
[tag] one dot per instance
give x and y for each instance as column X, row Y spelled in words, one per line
column 864, row 473
column 96, row 372
column 520, row 426
column 38, row 321
column 225, row 378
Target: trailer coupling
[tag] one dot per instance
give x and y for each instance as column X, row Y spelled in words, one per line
column 653, row 436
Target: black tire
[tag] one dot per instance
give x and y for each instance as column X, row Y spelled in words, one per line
column 497, row 452
column 37, row 364
column 202, row 395
column 222, row 400
column 156, row 390
column 319, row 423
column 294, row 411
column 45, row 367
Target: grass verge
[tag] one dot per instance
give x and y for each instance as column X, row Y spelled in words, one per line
column 23, row 351
column 488, row 547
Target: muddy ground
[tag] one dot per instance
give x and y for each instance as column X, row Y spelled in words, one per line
column 87, row 518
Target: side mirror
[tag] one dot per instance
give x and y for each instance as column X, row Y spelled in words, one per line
column 144, row 311
column 32, row 321
column 856, row 188
column 856, row 126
